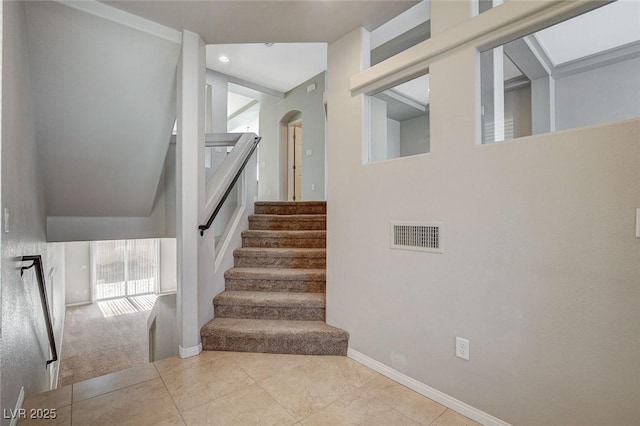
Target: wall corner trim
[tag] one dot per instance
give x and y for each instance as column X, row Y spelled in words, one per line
column 189, row 352
column 487, row 30
column 19, row 403
column 440, row 397
column 125, row 18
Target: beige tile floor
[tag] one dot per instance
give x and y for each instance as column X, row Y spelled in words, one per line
column 228, row 388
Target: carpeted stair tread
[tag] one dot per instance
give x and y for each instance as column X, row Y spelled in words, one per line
column 274, row 336
column 280, row 257
column 265, row 298
column 287, row 222
column 284, row 238
column 276, row 279
column 290, row 207
column 279, row 274
column 270, row 305
column 266, row 233
column 274, row 299
column 281, row 252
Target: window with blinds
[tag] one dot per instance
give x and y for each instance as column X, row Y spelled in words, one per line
column 125, row 268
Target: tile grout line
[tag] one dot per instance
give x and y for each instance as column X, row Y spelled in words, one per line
column 277, row 402
column 383, row 401
column 255, row 381
column 269, row 393
column 370, row 395
column 442, row 414
column 169, row 392
column 114, row 390
column 204, row 403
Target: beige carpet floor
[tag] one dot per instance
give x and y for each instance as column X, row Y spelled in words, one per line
column 99, row 340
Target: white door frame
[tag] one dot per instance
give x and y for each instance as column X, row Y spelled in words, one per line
column 291, row 159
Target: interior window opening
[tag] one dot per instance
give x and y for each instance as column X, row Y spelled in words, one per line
column 563, row 77
column 399, row 121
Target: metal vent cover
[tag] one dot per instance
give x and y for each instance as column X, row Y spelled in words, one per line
column 421, row 236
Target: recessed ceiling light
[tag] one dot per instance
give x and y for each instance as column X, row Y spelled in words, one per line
column 223, row 59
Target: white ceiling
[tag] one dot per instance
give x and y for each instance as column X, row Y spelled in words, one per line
column 407, row 100
column 416, row 89
column 105, row 105
column 509, row 69
column 104, row 82
column 607, row 27
column 281, row 67
column 220, row 22
column 235, row 102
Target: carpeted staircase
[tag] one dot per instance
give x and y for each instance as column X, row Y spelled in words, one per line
column 275, row 295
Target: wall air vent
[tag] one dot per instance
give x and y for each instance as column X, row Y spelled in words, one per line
column 417, row 236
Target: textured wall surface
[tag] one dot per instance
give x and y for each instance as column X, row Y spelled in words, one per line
column 24, row 339
column 540, row 267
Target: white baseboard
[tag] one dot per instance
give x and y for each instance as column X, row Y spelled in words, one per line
column 189, row 352
column 434, row 394
column 19, row 403
column 71, row 305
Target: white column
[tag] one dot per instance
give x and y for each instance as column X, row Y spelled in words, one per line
column 190, row 187
column 498, row 88
column 498, row 94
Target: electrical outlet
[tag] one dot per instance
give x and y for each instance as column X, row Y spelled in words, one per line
column 462, row 348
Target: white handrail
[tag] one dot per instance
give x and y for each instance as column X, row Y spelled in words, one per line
column 227, row 174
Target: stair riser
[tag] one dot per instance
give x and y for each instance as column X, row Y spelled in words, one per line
column 288, row 210
column 297, row 326
column 280, row 262
column 284, row 242
column 291, row 345
column 293, row 286
column 269, row 313
column 278, row 224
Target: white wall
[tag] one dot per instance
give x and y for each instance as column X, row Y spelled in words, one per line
column 215, row 259
column 517, row 107
column 599, row 95
column 414, row 136
column 170, row 192
column 219, row 94
column 104, row 97
column 273, row 156
column 162, row 326
column 394, row 139
column 540, row 266
column 379, row 130
column 160, row 223
column 24, row 342
column 168, row 271
column 78, row 272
